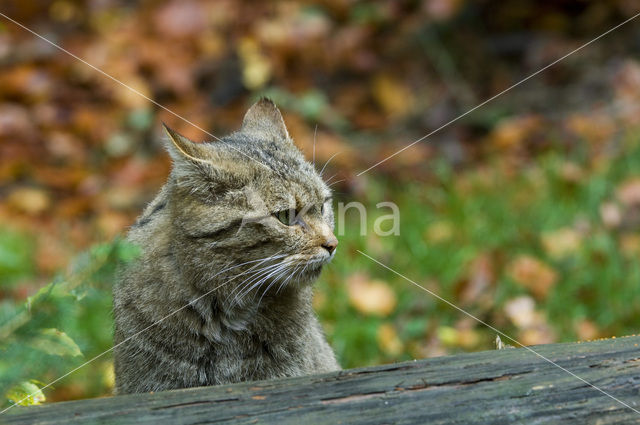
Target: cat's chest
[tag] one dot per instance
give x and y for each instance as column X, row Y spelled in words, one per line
column 251, row 357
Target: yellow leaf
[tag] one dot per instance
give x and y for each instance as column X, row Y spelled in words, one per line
column 108, row 375
column 256, row 68
column 26, row 393
column 370, row 296
column 388, row 340
column 31, row 201
column 448, row 335
column 130, row 99
column 630, row 245
column 561, row 243
column 394, row 97
column 440, row 231
column 453, row 337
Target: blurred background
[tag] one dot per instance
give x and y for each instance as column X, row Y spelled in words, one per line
column 524, row 213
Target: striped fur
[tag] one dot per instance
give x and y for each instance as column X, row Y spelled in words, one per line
column 216, row 298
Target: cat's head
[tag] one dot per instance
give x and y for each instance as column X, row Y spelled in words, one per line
column 249, row 197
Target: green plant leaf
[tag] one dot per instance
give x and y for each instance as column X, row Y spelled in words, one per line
column 58, row 343
column 26, row 393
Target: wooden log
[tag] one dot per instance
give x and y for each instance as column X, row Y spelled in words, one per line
column 492, row 387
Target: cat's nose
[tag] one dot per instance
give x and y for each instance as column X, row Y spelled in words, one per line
column 330, row 244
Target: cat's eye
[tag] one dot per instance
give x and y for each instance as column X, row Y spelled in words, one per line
column 286, row 217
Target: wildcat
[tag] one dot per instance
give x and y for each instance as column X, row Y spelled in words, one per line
column 230, row 248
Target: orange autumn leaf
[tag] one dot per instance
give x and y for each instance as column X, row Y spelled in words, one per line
column 373, row 297
column 512, row 132
column 532, row 274
column 28, row 200
column 628, row 192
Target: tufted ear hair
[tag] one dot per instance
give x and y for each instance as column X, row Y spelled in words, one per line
column 264, row 118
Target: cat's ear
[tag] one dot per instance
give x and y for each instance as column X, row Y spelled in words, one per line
column 183, row 150
column 264, row 118
column 202, row 159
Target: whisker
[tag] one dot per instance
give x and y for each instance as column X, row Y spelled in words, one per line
column 328, row 161
column 329, row 179
column 275, row 279
column 257, row 274
column 284, row 283
column 245, row 263
column 251, row 272
column 314, row 145
column 256, row 281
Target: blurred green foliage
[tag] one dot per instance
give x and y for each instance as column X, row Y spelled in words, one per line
column 81, row 156
column 64, row 324
column 498, row 211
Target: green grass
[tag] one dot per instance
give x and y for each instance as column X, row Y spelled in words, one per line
column 499, row 211
column 496, row 211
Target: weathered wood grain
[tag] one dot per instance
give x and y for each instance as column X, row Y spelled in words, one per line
column 512, row 386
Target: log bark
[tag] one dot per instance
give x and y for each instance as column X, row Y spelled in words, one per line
column 493, row 387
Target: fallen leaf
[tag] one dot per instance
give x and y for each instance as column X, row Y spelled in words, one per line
column 108, row 375
column 132, row 99
column 388, row 340
column 595, row 127
column 533, row 326
column 512, row 132
column 561, row 243
column 521, row 311
column 368, row 296
column 394, row 97
column 181, row 18
column 533, row 274
column 439, row 231
column 572, row 172
column 112, row 223
column 628, row 192
column 29, row 200
column 542, row 334
column 611, row 215
column 477, row 287
column 454, row 337
column 586, row 330
column 630, row 245
column 256, row 68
